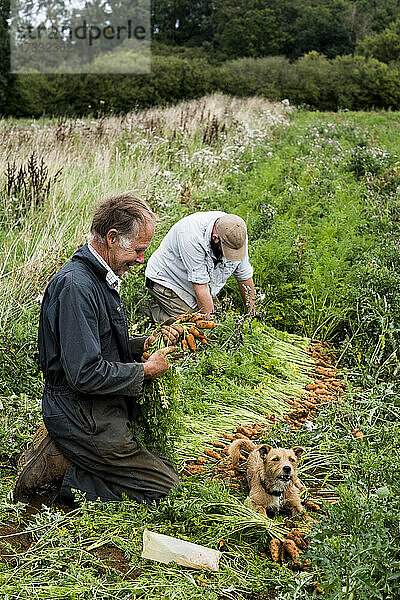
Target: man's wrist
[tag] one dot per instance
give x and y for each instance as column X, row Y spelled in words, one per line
column 149, row 369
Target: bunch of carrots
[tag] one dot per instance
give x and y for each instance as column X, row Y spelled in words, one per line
column 191, row 328
column 159, row 417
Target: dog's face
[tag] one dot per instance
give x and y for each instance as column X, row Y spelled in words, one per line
column 280, row 463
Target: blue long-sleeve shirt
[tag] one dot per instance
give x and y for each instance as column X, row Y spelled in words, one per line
column 83, row 332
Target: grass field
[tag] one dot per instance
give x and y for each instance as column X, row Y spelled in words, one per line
column 321, row 195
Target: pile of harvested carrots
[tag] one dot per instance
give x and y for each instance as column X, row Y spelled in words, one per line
column 326, row 388
column 295, row 542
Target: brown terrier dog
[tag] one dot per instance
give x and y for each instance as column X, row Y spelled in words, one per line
column 272, row 476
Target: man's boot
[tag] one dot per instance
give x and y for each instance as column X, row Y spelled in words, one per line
column 41, row 463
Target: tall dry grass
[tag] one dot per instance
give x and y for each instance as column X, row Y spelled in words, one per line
column 170, row 155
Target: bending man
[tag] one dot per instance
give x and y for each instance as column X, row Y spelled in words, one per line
column 193, row 263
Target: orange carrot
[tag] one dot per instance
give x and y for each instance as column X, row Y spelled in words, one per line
column 315, row 585
column 312, row 506
column 218, row 445
column 196, row 333
column 183, row 318
column 212, row 453
column 326, row 372
column 275, row 546
column 290, row 524
column 205, row 324
column 191, row 342
column 247, row 432
column 300, row 543
column 196, row 317
column 291, row 549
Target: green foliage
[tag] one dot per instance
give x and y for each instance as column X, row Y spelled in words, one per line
column 19, row 416
column 171, row 79
column 358, row 546
column 375, row 316
column 242, row 48
column 365, row 82
column 19, row 369
column 266, row 76
column 384, row 46
column 345, row 82
column 158, row 421
column 69, row 557
column 26, row 187
column 312, row 82
column 245, row 372
column 364, row 160
column 356, row 541
column 325, row 29
column 244, row 34
column 323, row 222
column 289, row 27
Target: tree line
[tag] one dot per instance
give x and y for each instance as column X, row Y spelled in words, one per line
column 326, row 54
column 230, row 29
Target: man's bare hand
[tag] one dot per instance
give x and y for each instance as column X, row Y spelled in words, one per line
column 157, row 364
column 170, row 336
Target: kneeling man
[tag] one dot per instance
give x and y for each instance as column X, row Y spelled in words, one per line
column 93, row 371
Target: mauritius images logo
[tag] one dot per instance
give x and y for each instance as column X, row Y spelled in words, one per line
column 80, row 37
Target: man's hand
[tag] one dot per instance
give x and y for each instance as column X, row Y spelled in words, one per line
column 170, row 335
column 157, row 364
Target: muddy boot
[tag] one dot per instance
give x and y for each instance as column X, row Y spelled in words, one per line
column 41, row 463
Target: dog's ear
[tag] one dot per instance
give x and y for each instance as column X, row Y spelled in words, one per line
column 298, row 450
column 264, row 449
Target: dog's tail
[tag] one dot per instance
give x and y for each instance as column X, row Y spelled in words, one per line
column 235, row 447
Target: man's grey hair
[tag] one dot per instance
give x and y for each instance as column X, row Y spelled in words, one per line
column 124, row 212
column 124, row 241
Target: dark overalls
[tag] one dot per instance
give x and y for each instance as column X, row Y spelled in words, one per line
column 92, row 378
